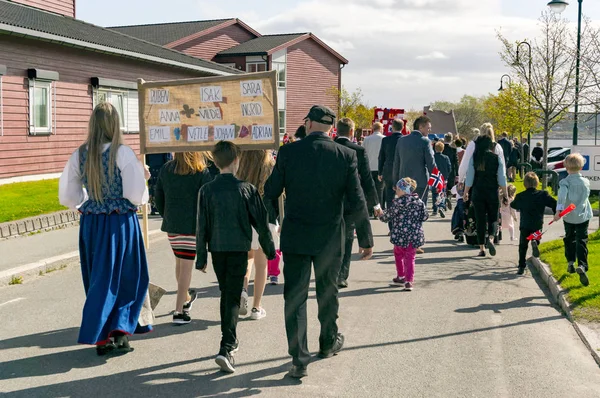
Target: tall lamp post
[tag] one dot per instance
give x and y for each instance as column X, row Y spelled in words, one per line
column 528, row 83
column 502, row 81
column 558, row 6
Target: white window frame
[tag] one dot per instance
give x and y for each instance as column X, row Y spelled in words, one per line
column 281, row 128
column 276, row 66
column 257, row 64
column 51, row 105
column 230, row 64
column 125, row 128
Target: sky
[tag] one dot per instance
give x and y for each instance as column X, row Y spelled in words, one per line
column 402, row 53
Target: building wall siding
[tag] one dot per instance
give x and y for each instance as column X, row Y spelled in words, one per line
column 311, row 73
column 22, row 154
column 206, row 47
column 64, row 7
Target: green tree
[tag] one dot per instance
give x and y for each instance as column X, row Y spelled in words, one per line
column 468, row 112
column 510, row 110
column 352, row 105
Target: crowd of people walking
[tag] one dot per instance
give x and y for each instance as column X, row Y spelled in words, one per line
column 226, row 202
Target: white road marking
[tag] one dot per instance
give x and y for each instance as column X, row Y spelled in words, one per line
column 12, row 301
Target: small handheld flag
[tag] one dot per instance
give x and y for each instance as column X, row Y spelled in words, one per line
column 566, row 211
column 436, row 180
column 538, row 235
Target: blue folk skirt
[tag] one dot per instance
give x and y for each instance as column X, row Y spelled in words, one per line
column 115, row 276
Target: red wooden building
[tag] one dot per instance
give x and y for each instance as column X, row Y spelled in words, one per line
column 308, row 68
column 54, row 68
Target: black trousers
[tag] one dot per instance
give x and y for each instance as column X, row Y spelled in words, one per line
column 378, row 188
column 523, row 245
column 230, row 268
column 295, row 292
column 487, row 207
column 576, row 238
column 365, row 241
column 389, row 193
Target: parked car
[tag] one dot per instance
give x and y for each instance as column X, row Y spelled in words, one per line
column 558, row 154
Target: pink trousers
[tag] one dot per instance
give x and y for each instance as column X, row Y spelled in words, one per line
column 273, row 265
column 405, row 262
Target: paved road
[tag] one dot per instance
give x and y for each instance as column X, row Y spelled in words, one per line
column 471, row 328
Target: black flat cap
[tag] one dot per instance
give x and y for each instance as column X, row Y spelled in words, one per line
column 321, row 114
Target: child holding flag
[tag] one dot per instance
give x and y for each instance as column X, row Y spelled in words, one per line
column 439, row 192
column 531, row 204
column 575, row 190
column 406, row 214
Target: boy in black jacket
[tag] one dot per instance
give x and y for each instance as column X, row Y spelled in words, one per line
column 532, row 205
column 227, row 210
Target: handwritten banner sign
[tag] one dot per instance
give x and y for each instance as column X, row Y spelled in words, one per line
column 194, row 114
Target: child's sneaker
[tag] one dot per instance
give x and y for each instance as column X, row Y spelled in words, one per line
column 442, row 214
column 274, row 280
column 571, row 268
column 225, row 362
column 408, row 286
column 461, row 239
column 535, row 250
column 583, row 278
column 244, row 303
column 258, row 313
column 397, row 281
column 187, row 307
column 181, row 318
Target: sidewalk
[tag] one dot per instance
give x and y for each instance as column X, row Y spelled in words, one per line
column 24, row 250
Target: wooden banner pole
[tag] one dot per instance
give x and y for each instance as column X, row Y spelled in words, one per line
column 145, row 216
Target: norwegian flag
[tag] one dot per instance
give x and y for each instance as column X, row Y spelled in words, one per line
column 436, row 180
column 535, row 236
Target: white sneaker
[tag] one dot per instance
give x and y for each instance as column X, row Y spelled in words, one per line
column 258, row 313
column 244, row 303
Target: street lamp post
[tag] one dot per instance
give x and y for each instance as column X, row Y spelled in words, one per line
column 529, row 77
column 502, row 81
column 558, row 6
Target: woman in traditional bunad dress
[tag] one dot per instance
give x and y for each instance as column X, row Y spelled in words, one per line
column 105, row 180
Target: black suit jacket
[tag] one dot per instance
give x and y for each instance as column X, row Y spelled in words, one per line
column 316, row 174
column 453, row 155
column 364, row 172
column 386, row 157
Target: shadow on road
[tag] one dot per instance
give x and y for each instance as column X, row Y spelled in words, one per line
column 498, row 307
column 157, row 381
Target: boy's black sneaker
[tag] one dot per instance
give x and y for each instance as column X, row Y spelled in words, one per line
column 442, row 214
column 491, row 248
column 535, row 250
column 461, row 239
column 187, row 307
column 225, row 362
column 521, row 271
column 583, row 278
column 181, row 318
column 571, row 268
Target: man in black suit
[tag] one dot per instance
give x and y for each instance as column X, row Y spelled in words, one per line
column 317, row 175
column 506, row 146
column 386, row 160
column 453, row 155
column 345, row 132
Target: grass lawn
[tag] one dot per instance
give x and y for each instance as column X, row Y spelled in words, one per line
column 28, row 199
column 585, row 301
column 520, row 188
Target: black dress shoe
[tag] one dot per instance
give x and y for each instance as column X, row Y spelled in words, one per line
column 337, row 346
column 105, row 349
column 298, row 372
column 342, row 284
column 521, row 271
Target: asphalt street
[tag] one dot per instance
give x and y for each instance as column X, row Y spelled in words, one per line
column 471, row 328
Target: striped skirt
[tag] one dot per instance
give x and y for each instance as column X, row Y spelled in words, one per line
column 184, row 246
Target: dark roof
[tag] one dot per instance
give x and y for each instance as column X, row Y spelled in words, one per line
column 261, row 45
column 31, row 22
column 166, row 33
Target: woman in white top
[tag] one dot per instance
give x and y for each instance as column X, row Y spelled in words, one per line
column 488, row 130
column 106, row 182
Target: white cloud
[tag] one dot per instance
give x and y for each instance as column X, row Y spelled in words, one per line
column 432, row 55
